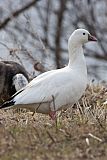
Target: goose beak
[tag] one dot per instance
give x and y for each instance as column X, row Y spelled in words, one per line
column 91, row 38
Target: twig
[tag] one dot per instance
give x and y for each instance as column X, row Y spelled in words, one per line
column 87, row 141
column 97, row 138
column 5, row 45
column 51, row 137
column 17, row 13
column 35, row 34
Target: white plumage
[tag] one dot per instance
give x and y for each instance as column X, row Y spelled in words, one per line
column 19, row 81
column 59, row 88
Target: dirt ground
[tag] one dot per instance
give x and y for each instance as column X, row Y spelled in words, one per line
column 80, row 133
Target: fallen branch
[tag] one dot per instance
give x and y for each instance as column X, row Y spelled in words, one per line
column 97, row 138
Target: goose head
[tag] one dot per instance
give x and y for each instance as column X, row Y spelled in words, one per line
column 81, row 36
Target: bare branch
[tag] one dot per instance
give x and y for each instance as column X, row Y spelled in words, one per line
column 17, row 13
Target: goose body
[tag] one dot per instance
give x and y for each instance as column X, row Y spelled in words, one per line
column 57, row 89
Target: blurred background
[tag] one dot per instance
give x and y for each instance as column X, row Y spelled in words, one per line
column 34, row 33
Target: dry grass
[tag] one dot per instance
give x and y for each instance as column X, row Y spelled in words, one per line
column 80, row 132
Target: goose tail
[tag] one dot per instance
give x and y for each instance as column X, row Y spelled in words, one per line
column 7, row 104
column 10, row 102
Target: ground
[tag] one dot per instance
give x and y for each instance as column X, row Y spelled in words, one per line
column 80, row 133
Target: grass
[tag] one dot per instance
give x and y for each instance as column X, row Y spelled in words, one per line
column 80, row 132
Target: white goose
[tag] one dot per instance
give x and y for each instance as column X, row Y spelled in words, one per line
column 59, row 88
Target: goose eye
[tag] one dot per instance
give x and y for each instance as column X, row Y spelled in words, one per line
column 83, row 33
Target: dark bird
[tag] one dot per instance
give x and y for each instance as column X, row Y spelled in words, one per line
column 13, row 77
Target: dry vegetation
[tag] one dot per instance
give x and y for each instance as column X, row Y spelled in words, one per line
column 79, row 134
